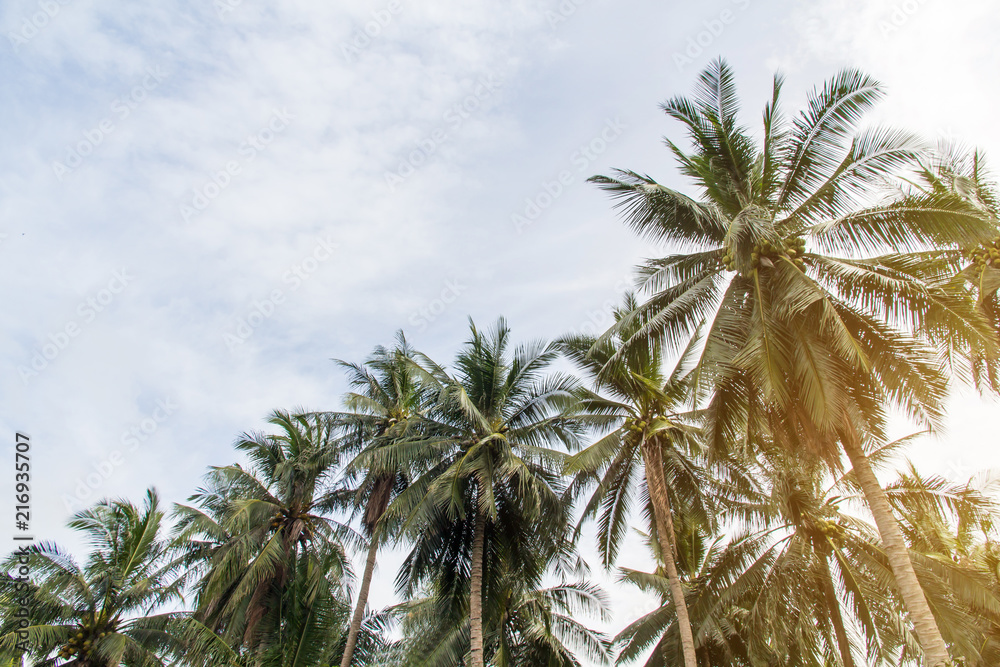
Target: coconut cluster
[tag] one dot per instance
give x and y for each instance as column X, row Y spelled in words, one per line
column 987, row 254
column 792, row 248
column 285, row 517
column 637, row 425
column 830, row 529
column 824, row 531
column 79, row 645
column 634, row 426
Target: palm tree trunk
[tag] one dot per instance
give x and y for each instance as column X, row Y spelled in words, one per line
column 834, row 608
column 359, row 609
column 476, row 591
column 656, row 482
column 928, row 634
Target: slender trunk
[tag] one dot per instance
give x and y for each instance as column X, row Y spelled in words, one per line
column 359, row 609
column 834, row 608
column 656, row 482
column 476, row 591
column 928, row 634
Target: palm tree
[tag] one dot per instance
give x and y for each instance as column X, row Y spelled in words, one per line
column 812, row 284
column 523, row 622
column 954, row 171
column 722, row 643
column 806, row 575
column 646, row 430
column 102, row 613
column 523, row 627
column 950, row 528
column 488, row 499
column 271, row 563
column 807, row 571
column 385, row 405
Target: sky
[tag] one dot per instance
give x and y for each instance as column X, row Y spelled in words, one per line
column 202, row 204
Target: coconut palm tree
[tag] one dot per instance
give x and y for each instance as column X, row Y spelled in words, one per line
column 272, row 572
column 384, row 407
column 644, row 427
column 811, row 281
column 954, row 171
column 540, row 627
column 523, row 625
column 489, row 497
column 721, row 644
column 808, row 571
column 805, row 582
column 106, row 611
column 950, row 528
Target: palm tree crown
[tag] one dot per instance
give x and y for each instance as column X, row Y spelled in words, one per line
column 647, row 430
column 385, row 407
column 102, row 613
column 818, row 288
column 273, row 572
column 489, row 499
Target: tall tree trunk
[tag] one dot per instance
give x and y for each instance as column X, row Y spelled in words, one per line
column 476, row 591
column 378, row 501
column 834, row 607
column 928, row 634
column 656, row 482
column 359, row 609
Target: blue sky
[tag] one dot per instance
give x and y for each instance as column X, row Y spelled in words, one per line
column 201, row 204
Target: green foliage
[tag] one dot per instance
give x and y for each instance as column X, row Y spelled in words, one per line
column 760, row 596
column 272, row 572
column 484, row 450
column 818, row 288
column 829, row 279
column 108, row 610
column 486, row 459
column 642, row 402
column 523, row 627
